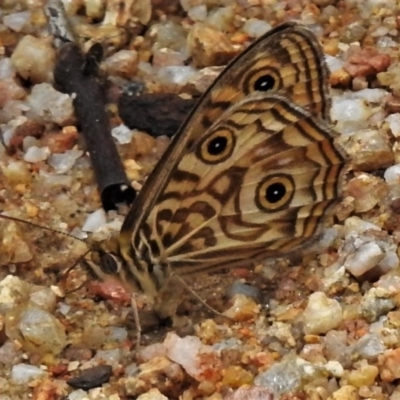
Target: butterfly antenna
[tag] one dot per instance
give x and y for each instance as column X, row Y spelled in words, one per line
column 46, row 228
column 69, row 269
column 65, row 234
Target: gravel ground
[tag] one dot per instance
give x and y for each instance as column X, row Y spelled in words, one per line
column 323, row 325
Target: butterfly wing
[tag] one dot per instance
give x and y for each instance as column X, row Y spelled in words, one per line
column 287, row 59
column 259, row 182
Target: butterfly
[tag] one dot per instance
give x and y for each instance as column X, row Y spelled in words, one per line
column 254, row 172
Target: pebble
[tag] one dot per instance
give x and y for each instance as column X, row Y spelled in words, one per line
column 346, row 392
column 236, row 377
column 160, row 372
column 170, row 35
column 152, row 394
column 43, row 297
column 282, row 331
column 16, row 21
column 366, row 62
column 389, row 365
column 111, row 357
column 27, row 129
column 36, row 154
column 334, row 63
column 389, row 283
column 321, row 314
column 36, row 329
column 179, row 76
column 369, row 346
column 7, row 69
column 354, row 226
column 77, row 395
column 12, row 291
column 124, row 63
column 375, row 304
column 153, row 350
column 256, row 27
column 198, row 13
column 374, row 96
column 188, row 4
column 335, row 345
column 10, row 353
column 47, row 105
column 221, row 18
column 117, row 334
column 165, row 57
column 124, row 16
column 209, row 46
column 363, row 259
column 369, row 149
column 34, row 59
column 95, row 220
column 190, row 353
column 340, row 79
column 349, row 109
column 91, row 377
column 14, row 247
column 394, row 124
column 251, row 393
column 24, row 373
column 392, row 175
column 239, row 287
column 141, row 9
column 364, row 375
column 10, row 90
column 62, row 163
column 59, row 142
column 334, row 368
column 16, row 172
column 243, row 308
column 122, row 133
column 367, row 191
column 284, row 376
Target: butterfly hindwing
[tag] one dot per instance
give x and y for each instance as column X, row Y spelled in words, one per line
column 221, row 196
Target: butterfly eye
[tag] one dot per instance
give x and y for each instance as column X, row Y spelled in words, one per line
column 217, row 147
column 109, row 264
column 275, row 192
column 264, row 83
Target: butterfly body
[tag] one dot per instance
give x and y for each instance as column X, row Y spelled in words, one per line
column 253, row 172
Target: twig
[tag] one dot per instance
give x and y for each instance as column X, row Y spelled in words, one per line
column 76, row 75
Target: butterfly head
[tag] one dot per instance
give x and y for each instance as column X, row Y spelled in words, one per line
column 110, row 261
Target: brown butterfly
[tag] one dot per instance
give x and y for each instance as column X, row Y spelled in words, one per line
column 254, row 172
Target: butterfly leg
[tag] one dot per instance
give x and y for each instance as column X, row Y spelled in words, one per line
column 137, row 322
column 196, row 296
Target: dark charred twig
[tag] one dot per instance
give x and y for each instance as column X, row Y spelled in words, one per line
column 76, row 79
column 76, row 74
column 155, row 113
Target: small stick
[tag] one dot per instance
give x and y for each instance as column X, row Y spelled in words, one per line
column 76, row 75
